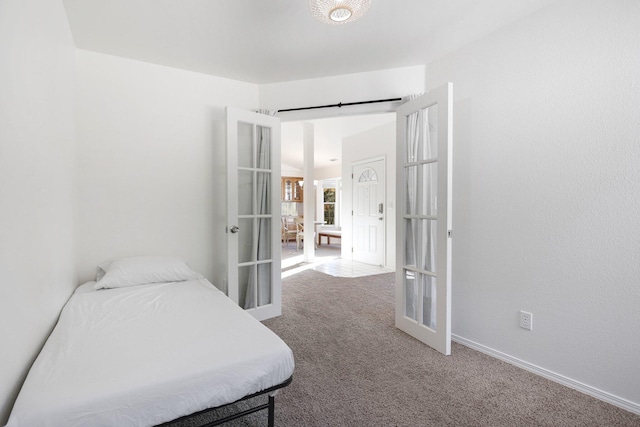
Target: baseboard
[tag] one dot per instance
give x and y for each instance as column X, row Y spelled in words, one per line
column 576, row 385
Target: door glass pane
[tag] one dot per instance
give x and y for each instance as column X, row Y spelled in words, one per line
column 245, row 281
column 245, row 145
column 429, row 189
column 410, row 187
column 428, row 249
column 429, row 134
column 245, row 240
column 411, row 239
column 245, row 192
column 263, row 193
column 412, row 141
column 411, row 294
column 264, row 284
column 428, row 291
column 263, row 152
column 264, row 239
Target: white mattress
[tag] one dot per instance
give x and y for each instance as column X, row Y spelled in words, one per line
column 144, row 355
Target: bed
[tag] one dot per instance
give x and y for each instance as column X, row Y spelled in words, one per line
column 149, row 342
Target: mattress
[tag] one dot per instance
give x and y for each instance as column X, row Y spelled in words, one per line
column 147, row 354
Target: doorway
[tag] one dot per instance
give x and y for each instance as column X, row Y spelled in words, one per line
column 340, row 143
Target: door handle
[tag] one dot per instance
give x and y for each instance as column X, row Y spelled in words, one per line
column 234, row 229
column 380, row 208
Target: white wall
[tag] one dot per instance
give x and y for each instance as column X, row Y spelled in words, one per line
column 152, row 162
column 375, row 143
column 37, row 186
column 287, row 170
column 328, row 172
column 546, row 196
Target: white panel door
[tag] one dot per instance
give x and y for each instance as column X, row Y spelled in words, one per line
column 423, row 229
column 253, row 212
column 368, row 212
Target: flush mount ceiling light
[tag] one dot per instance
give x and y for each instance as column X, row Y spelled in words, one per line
column 337, row 12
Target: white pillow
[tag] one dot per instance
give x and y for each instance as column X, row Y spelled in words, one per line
column 141, row 270
column 86, row 287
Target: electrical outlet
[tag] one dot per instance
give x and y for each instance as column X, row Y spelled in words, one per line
column 526, row 320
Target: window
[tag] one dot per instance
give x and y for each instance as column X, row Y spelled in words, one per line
column 329, row 201
column 289, row 209
column 368, row 175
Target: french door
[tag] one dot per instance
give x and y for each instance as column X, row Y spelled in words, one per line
column 253, row 212
column 423, row 229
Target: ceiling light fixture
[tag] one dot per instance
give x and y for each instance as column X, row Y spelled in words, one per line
column 335, row 12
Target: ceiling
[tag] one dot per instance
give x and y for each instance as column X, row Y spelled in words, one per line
column 328, row 135
column 268, row 41
column 265, row 41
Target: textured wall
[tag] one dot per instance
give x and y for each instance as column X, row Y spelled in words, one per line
column 37, row 182
column 152, row 162
column 546, row 191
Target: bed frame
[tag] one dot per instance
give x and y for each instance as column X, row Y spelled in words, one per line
column 270, row 406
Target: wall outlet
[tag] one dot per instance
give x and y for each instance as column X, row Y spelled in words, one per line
column 526, row 320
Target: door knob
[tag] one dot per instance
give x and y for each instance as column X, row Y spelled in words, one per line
column 234, row 229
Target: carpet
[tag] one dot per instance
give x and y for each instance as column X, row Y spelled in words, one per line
column 354, row 368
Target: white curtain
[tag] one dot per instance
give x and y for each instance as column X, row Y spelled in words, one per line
column 260, row 274
column 420, row 239
column 411, row 243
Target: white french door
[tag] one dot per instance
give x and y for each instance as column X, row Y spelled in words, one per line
column 253, row 212
column 368, row 212
column 423, row 229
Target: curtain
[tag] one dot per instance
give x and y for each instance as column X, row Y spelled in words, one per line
column 411, row 243
column 260, row 274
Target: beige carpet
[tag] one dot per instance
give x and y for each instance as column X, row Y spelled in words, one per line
column 354, row 368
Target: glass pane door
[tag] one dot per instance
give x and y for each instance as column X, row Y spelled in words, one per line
column 423, row 249
column 253, row 195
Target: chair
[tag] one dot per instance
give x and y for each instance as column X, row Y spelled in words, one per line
column 288, row 229
column 300, row 236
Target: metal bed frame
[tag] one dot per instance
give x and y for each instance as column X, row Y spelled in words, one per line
column 270, row 406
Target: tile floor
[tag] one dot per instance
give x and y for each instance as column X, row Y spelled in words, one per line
column 327, row 260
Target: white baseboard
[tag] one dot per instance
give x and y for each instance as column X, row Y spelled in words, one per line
column 576, row 385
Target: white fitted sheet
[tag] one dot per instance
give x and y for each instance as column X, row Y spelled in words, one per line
column 147, row 354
